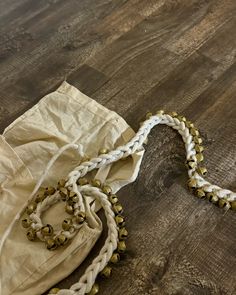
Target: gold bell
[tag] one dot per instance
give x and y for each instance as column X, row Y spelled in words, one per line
column 26, row 222
column 103, row 151
column 121, row 246
column 117, row 208
column 199, row 148
column 51, row 244
column 54, row 291
column 192, row 183
column 40, row 197
column 212, row 197
column 200, row 193
column 148, row 115
column 61, row 240
column 115, row 258
column 61, row 183
column 96, row 183
column 197, row 140
column 113, row 199
column 31, row 234
column 223, row 203
column 94, row 290
column 73, row 200
column 31, row 207
column 66, row 224
column 233, row 205
column 199, row 157
column 50, row 190
column 160, row 112
column 120, row 220
column 69, row 209
column 106, row 272
column 47, row 230
column 80, row 217
column 181, row 118
column 194, row 132
column 191, row 164
column 202, row 170
column 123, row 233
column 173, row 114
column 63, row 193
column 107, row 190
column 82, row 181
column 189, row 124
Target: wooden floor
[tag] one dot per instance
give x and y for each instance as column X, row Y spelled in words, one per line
column 134, row 56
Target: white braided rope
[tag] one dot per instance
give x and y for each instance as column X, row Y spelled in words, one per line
column 85, row 283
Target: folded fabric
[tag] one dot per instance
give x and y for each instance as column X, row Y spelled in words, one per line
column 26, row 146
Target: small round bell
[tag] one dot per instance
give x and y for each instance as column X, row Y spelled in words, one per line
column 181, row 118
column 113, row 199
column 189, row 124
column 160, row 112
column 199, row 157
column 123, row 233
column 233, row 205
column 197, row 140
column 82, row 181
column 115, row 258
column 94, row 290
column 54, row 291
column 61, row 183
column 61, row 240
column 63, row 193
column 103, row 151
column 202, row 170
column 117, row 208
column 66, row 224
column 107, row 190
column 96, row 183
column 69, row 209
column 200, row 193
column 199, row 148
column 26, row 222
column 191, row 164
column 121, row 247
column 223, row 203
column 173, row 114
column 50, row 244
column 148, row 115
column 31, row 234
column 80, row 217
column 120, row 220
column 194, row 132
column 40, row 197
column 31, row 207
column 50, row 190
column 47, row 230
column 72, row 201
column 192, row 183
column 212, row 197
column 106, row 272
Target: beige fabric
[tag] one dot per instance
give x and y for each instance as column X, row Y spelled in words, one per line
column 63, row 116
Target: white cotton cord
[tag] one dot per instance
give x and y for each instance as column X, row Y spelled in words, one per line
column 86, row 282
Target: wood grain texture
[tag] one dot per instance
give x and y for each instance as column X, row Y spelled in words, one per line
column 134, row 56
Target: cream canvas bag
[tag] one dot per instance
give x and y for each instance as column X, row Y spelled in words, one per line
column 26, row 146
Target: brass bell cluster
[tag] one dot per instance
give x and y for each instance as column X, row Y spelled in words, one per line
column 53, row 239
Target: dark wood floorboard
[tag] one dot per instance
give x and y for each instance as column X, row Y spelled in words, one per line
column 134, row 56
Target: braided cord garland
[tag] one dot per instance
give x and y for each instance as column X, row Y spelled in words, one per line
column 201, row 187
